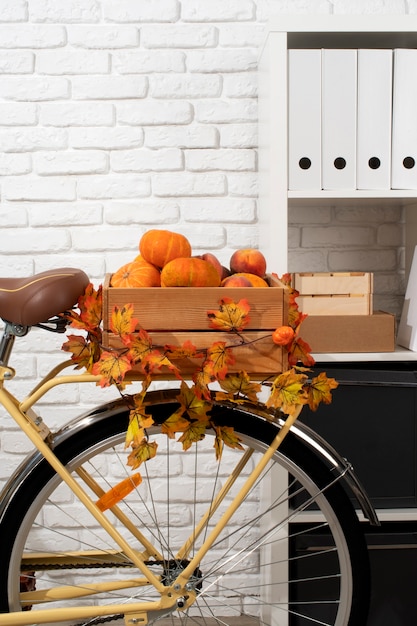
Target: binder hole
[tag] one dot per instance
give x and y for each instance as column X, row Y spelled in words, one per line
column 340, row 163
column 409, row 163
column 374, row 163
column 304, row 163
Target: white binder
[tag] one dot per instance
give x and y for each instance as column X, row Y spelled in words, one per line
column 374, row 119
column 304, row 119
column 339, row 88
column 404, row 120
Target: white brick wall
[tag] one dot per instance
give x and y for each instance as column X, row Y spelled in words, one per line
column 117, row 116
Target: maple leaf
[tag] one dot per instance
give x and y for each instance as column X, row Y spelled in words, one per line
column 194, row 406
column 201, row 379
column 195, row 431
column 138, row 422
column 226, row 435
column 231, row 316
column 287, row 391
column 122, row 322
column 320, row 390
column 79, row 348
column 90, row 305
column 143, row 452
column 156, row 360
column 186, row 351
column 299, row 351
column 219, row 357
column 175, row 423
column 140, row 347
column 112, row 368
column 240, row 384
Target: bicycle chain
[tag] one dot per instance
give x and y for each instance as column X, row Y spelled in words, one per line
column 101, row 620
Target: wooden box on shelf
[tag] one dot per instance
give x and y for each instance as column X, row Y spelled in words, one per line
column 334, row 293
column 174, row 315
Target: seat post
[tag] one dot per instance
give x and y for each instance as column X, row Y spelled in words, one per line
column 10, row 332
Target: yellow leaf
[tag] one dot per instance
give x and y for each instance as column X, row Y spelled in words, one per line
column 196, row 431
column 175, row 423
column 320, row 390
column 201, row 379
column 218, row 359
column 112, row 368
column 193, row 406
column 186, row 351
column 226, row 435
column 231, row 316
column 240, row 384
column 122, row 322
column 140, row 347
column 287, row 392
column 143, row 452
column 138, row 422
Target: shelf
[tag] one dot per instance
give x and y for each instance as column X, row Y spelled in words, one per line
column 399, row 355
column 380, row 197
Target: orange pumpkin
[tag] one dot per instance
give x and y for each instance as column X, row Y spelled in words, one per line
column 161, row 246
column 136, row 274
column 189, row 272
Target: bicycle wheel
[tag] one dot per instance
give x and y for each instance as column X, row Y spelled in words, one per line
column 291, row 555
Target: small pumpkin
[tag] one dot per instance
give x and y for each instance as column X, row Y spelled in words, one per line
column 158, row 246
column 189, row 272
column 137, row 273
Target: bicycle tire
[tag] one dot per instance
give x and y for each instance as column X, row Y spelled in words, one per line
column 41, row 516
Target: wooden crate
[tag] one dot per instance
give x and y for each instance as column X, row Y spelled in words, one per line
column 176, row 314
column 338, row 293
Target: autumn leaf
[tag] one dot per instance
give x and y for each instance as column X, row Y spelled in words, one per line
column 143, row 452
column 112, row 368
column 320, row 390
column 231, row 316
column 226, row 435
column 140, row 347
column 90, row 305
column 194, row 406
column 196, row 431
column 287, row 392
column 156, row 360
column 138, row 422
column 218, row 359
column 202, row 377
column 299, row 352
column 122, row 322
column 174, row 424
column 241, row 385
column 79, row 348
column 186, row 351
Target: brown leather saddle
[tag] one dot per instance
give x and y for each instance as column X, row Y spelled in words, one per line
column 38, row 298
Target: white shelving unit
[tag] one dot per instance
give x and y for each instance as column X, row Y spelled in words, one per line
column 319, row 31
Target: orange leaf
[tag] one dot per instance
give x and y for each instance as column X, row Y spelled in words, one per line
column 218, row 359
column 240, row 384
column 143, row 452
column 174, row 424
column 226, row 435
column 155, row 360
column 231, row 316
column 201, row 379
column 112, row 368
column 186, row 351
column 90, row 307
column 196, row 431
column 193, row 406
column 287, row 391
column 122, row 322
column 140, row 347
column 79, row 348
column 320, row 390
column 299, row 352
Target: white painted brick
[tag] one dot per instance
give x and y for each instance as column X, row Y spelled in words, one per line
column 113, row 186
column 294, row 237
column 72, row 62
column 16, row 62
column 34, row 88
column 310, row 215
column 13, row 11
column 92, row 264
column 240, row 35
column 367, row 6
column 179, row 36
column 30, row 139
column 266, row 8
column 38, row 241
column 32, row 36
column 143, row 160
column 225, row 111
column 186, row 184
column 103, row 36
column 142, row 212
column 133, row 11
column 154, row 112
column 40, row 189
column 240, row 85
column 242, row 184
column 390, row 235
column 15, row 265
column 240, row 236
column 367, row 214
column 226, row 210
column 182, row 137
column 109, row 87
column 220, row 159
column 217, row 10
column 362, row 260
column 221, row 60
column 105, row 239
column 145, row 62
column 106, row 138
column 68, row 11
column 205, row 236
column 238, row 135
column 13, row 164
column 71, row 162
column 18, row 114
column 185, row 86
column 333, row 236
column 70, row 114
column 57, row 214
column 12, row 216
column 300, row 259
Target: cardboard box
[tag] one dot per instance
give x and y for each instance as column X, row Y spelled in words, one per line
column 334, row 293
column 174, row 315
column 349, row 333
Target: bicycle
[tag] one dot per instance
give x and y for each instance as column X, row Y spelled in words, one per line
column 170, row 551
